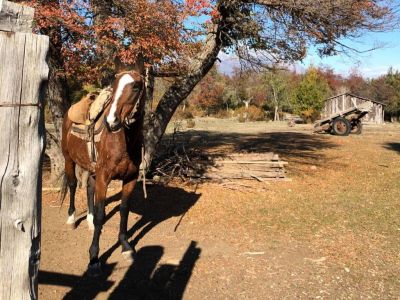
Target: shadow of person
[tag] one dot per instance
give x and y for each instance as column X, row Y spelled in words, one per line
column 144, row 281
column 393, row 146
column 164, row 202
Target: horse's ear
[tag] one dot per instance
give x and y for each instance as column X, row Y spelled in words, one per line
column 119, row 66
column 139, row 65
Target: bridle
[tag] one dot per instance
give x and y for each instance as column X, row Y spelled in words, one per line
column 130, row 119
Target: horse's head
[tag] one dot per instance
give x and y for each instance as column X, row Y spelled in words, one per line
column 128, row 90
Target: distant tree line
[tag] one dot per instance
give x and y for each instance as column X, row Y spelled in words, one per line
column 278, row 91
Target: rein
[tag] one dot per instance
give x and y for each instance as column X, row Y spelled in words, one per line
column 129, row 120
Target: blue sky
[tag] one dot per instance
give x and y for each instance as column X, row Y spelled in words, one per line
column 370, row 64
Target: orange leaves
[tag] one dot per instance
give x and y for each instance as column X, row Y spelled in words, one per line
column 92, row 36
column 197, row 7
column 152, row 28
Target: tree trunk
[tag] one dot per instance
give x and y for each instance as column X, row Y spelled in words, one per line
column 156, row 123
column 53, row 151
column 57, row 91
column 276, row 117
column 150, row 80
column 58, row 100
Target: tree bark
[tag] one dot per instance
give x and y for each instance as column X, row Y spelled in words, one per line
column 57, row 98
column 53, row 151
column 57, row 93
column 156, row 122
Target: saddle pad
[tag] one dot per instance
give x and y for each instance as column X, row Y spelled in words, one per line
column 99, row 104
column 81, row 131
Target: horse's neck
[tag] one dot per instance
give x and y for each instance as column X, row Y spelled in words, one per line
column 127, row 138
column 134, row 134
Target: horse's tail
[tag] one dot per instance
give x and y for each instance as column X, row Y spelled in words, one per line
column 63, row 190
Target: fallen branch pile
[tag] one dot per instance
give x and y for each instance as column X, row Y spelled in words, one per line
column 180, row 163
column 192, row 164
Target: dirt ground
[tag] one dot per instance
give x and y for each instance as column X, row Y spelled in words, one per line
column 332, row 232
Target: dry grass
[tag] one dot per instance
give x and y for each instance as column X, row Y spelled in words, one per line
column 343, row 201
column 332, row 232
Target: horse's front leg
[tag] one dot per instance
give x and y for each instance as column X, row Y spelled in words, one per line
column 127, row 191
column 90, row 201
column 94, row 267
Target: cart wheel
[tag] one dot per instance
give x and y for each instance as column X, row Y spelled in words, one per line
column 341, row 126
column 357, row 128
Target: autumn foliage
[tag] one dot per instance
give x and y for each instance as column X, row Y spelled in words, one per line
column 94, row 38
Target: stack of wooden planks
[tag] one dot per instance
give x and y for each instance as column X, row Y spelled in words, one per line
column 259, row 166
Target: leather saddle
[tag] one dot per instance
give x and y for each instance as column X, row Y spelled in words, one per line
column 87, row 117
column 89, row 107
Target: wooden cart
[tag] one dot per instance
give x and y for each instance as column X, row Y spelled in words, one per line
column 345, row 122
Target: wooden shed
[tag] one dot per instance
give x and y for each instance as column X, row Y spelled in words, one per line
column 345, row 101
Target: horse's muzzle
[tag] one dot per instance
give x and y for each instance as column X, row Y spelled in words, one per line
column 115, row 126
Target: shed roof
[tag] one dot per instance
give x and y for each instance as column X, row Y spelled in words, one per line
column 355, row 96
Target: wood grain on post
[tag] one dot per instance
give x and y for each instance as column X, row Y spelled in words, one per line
column 23, row 71
column 15, row 17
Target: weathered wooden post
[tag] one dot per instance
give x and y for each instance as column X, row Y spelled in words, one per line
column 23, row 71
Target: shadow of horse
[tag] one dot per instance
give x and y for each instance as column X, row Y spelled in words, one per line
column 168, row 281
column 162, row 203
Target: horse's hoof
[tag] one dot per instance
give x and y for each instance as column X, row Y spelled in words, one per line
column 128, row 255
column 71, row 226
column 94, row 270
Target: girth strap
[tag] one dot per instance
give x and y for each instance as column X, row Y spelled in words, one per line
column 90, row 134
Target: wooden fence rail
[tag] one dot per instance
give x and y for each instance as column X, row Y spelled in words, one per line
column 23, row 71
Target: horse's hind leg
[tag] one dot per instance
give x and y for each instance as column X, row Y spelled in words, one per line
column 90, row 201
column 72, row 183
column 127, row 191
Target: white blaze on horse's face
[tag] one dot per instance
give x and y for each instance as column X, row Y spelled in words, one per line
column 124, row 80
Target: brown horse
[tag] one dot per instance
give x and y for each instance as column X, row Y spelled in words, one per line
column 118, row 153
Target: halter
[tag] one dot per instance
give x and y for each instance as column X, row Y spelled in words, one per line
column 130, row 119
